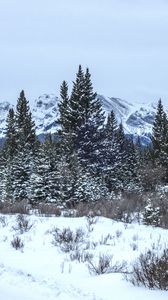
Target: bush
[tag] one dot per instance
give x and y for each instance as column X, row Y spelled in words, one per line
column 105, row 265
column 14, row 208
column 121, row 207
column 67, row 239
column 151, row 270
column 23, row 224
column 156, row 209
column 81, row 256
column 3, row 221
column 152, row 214
column 91, row 220
column 17, row 243
column 49, row 209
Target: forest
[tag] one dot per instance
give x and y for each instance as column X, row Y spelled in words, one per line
column 88, row 164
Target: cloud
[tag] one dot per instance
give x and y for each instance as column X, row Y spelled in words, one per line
column 124, row 42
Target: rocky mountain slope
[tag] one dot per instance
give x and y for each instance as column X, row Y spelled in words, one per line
column 137, row 118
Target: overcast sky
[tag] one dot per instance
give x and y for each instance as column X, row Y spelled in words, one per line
column 123, row 42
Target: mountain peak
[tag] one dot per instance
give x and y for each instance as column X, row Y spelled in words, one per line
column 137, row 118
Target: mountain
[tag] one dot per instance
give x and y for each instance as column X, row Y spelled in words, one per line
column 137, row 118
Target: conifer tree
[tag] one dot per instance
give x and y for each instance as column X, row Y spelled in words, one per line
column 82, row 119
column 160, row 126
column 160, row 138
column 111, row 126
column 10, row 135
column 90, row 135
column 63, row 105
column 23, row 162
column 74, row 114
column 25, row 126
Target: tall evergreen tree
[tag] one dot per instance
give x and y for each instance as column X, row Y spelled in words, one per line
column 82, row 119
column 63, row 105
column 74, row 114
column 110, row 153
column 90, row 134
column 25, row 126
column 111, row 125
column 10, row 135
column 23, row 162
column 160, row 137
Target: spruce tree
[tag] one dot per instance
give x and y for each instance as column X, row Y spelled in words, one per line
column 159, row 134
column 8, row 153
column 26, row 147
column 109, row 155
column 74, row 114
column 25, row 126
column 111, row 125
column 63, row 105
column 90, row 134
column 82, row 119
column 10, row 135
column 160, row 138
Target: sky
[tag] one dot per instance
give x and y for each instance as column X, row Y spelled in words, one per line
column 123, row 42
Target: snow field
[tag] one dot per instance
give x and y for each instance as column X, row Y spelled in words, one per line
column 41, row 270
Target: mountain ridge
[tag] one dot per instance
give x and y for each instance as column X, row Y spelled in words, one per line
column 137, row 118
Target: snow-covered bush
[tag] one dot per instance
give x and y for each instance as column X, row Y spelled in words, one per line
column 151, row 215
column 23, row 224
column 66, row 239
column 17, row 243
column 151, row 270
column 3, row 221
column 91, row 220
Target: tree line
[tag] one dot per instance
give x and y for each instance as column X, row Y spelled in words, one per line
column 88, row 159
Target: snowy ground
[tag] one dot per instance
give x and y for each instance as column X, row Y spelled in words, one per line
column 43, row 271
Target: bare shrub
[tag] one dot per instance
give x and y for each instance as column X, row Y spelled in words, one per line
column 17, row 243
column 127, row 207
column 105, row 265
column 69, row 213
column 91, row 220
column 3, row 221
column 105, row 239
column 66, row 239
column 23, row 224
column 81, row 256
column 134, row 246
column 120, row 207
column 21, row 207
column 151, row 270
column 118, row 233
column 99, row 208
column 48, row 209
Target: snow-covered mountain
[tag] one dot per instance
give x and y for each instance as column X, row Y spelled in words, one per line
column 137, row 118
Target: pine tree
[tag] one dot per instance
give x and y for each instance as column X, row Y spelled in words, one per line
column 10, row 135
column 111, row 125
column 26, row 147
column 25, row 126
column 63, row 105
column 74, row 114
column 131, row 178
column 160, row 135
column 110, row 156
column 82, row 120
column 90, row 134
column 151, row 214
column 160, row 138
